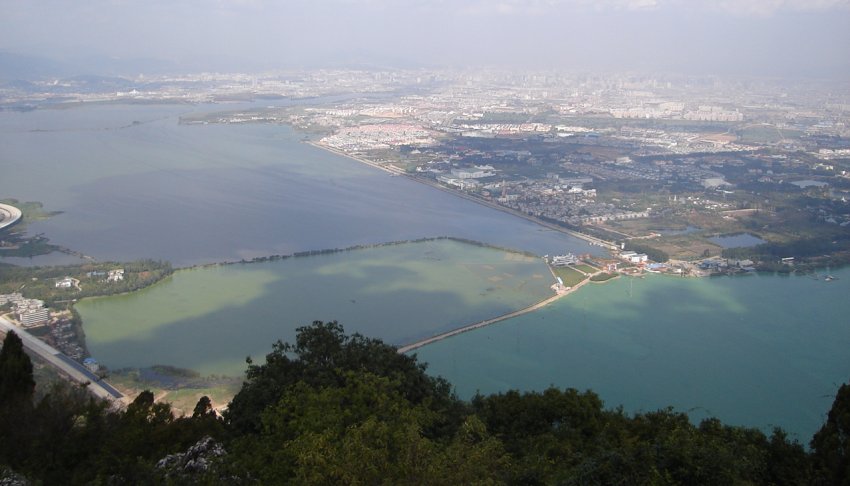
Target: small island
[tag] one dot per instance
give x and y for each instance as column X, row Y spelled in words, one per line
column 14, row 242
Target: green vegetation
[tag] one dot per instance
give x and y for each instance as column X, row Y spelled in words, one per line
column 179, row 387
column 16, row 376
column 338, row 409
column 812, row 252
column 40, row 282
column 570, row 276
column 602, row 277
column 586, row 268
column 766, row 134
column 13, row 243
column 831, row 444
column 27, row 247
column 30, row 211
column 330, row 251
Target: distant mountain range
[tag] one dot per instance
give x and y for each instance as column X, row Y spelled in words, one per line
column 15, row 67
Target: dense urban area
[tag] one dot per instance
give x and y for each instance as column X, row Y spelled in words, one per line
column 677, row 174
column 721, row 173
column 671, row 174
column 674, row 174
column 669, row 161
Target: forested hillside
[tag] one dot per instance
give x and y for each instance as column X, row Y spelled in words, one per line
column 338, row 409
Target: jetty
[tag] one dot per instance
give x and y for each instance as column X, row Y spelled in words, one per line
column 543, row 303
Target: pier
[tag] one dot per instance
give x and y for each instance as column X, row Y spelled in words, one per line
column 439, row 337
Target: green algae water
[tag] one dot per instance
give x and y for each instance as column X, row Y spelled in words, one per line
column 209, row 319
column 758, row 350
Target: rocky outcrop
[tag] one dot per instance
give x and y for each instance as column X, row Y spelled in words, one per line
column 193, row 463
column 11, row 478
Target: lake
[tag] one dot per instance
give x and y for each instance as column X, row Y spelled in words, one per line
column 193, row 194
column 209, row 319
column 757, row 350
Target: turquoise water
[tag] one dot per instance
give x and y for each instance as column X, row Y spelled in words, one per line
column 210, row 319
column 755, row 350
column 759, row 350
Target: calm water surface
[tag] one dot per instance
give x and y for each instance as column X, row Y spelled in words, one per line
column 206, row 193
column 756, row 350
column 759, row 350
column 209, row 319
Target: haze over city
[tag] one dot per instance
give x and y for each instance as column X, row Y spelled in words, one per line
column 509, row 242
column 747, row 37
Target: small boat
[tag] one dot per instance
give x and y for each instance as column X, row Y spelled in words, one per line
column 829, row 277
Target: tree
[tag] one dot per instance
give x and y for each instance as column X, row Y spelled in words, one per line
column 204, row 408
column 364, row 432
column 16, row 405
column 831, row 444
column 16, row 381
column 320, row 357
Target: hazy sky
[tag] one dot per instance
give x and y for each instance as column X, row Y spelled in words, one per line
column 772, row 37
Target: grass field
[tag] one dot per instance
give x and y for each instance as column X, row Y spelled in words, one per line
column 570, row 276
column 602, row 277
column 586, row 268
column 767, row 134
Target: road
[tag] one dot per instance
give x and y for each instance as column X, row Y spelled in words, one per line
column 9, row 215
column 66, row 365
column 418, row 344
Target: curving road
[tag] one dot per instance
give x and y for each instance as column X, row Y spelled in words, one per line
column 9, row 215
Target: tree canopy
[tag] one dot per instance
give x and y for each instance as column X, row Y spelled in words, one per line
column 334, row 408
column 16, row 381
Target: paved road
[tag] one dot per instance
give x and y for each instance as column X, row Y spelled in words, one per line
column 66, row 365
column 9, row 215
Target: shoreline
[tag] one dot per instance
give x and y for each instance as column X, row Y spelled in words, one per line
column 399, row 172
column 314, row 253
column 421, row 247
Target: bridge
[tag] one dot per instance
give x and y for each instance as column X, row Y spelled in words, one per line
column 63, row 363
column 9, row 215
